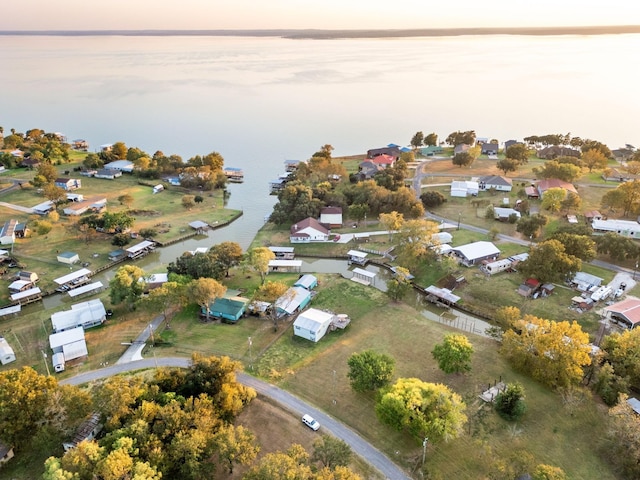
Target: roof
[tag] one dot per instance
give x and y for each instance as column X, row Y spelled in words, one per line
column 198, row 224
column 629, row 308
column 313, row 319
column 83, row 272
column 308, row 223
column 57, row 340
column 67, row 254
column 292, row 298
column 26, row 294
column 307, row 281
column 584, row 277
column 80, row 314
column 285, row 263
column 119, row 165
column 356, row 253
column 544, row 185
column 331, row 211
column 364, row 273
column 140, row 246
column 383, row 159
column 156, row 278
column 479, row 249
column 634, row 403
column 85, row 289
column 5, row 348
column 495, row 180
column 229, row 306
column 75, row 350
column 615, row 225
column 19, row 284
column 443, row 293
column 282, row 249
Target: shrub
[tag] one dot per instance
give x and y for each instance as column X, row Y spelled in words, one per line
column 510, row 403
column 120, row 239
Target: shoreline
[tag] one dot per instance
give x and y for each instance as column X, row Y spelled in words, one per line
column 327, row 34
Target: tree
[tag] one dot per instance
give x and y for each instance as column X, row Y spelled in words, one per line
column 227, row 254
column 117, row 221
column 422, row 409
column 369, row 370
column 269, row 292
column 453, row 354
column 235, row 445
column 48, row 171
column 594, row 158
column 509, row 403
column 53, row 216
column 399, row 285
column 624, row 438
column 463, row 159
column 431, row 139
column 331, row 452
column 616, row 246
column 621, row 351
column 563, row 171
column 530, row 226
column 198, row 199
column 518, row 152
column 507, row 316
column 625, row 196
column 552, row 199
column 415, row 239
column 120, row 239
column 43, row 227
column 391, row 222
column 205, row 291
column 507, row 165
column 580, row 246
column 198, row 265
column 294, row 464
column 458, row 138
column 548, row 472
column 432, row 199
column 417, row 140
column 55, row 194
column 358, row 211
column 258, row 259
column 126, row 199
column 553, row 353
column 295, row 203
column 38, row 181
column 571, row 202
column 188, row 201
column 127, row 285
column 166, row 295
column 588, row 145
column 119, row 151
column 548, row 262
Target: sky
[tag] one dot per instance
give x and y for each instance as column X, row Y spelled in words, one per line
column 325, row 14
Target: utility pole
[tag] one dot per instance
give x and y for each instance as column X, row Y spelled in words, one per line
column 334, row 388
column 250, row 355
column 424, row 450
column 46, row 364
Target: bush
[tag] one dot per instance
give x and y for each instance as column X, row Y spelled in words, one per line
column 120, row 240
column 432, row 199
column 510, row 403
column 148, row 233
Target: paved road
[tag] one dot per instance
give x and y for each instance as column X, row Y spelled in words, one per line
column 298, row 407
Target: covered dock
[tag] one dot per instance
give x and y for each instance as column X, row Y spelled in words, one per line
column 285, row 265
column 89, row 288
column 28, row 296
column 141, row 249
column 441, row 295
column 73, row 279
column 363, row 276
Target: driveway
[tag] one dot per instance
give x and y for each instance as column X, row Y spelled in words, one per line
column 292, row 403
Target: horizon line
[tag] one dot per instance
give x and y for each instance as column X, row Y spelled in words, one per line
column 319, row 33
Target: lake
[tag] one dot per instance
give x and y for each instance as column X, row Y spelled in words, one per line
column 259, row 101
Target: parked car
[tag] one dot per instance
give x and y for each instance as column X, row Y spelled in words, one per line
column 310, row 422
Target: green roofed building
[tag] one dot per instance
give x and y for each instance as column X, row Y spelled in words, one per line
column 228, row 309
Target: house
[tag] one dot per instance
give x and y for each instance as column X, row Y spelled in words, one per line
column 234, row 174
column 80, row 144
column 585, row 282
column 509, row 143
column 531, row 192
column 68, row 257
column 503, row 214
column 293, row 300
column 464, row 188
column 8, row 232
column 308, row 230
column 21, row 230
column 107, row 173
column 625, row 228
column 116, row 255
column 489, row 149
column 555, row 151
column 20, row 286
column 431, row 150
column 86, row 315
column 592, row 215
column 6, row 352
column 529, row 288
column 95, row 204
column 230, row 309
column 506, row 264
column 155, row 280
column 30, row 277
column 30, row 163
column 158, row 188
column 383, row 161
column 307, row 281
column 68, row 183
column 6, row 452
column 461, row 148
column 70, row 343
column 293, row 165
column 476, row 252
column 281, row 266
column 615, row 175
column 359, row 258
column 312, row 324
column 283, row 253
column 331, row 217
column 391, row 150
column 88, row 430
column 124, row 166
column 367, row 169
column 625, row 313
column 88, row 172
column 496, row 182
column 107, row 147
column 544, row 185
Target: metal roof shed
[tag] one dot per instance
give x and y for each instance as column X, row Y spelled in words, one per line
column 57, row 340
column 83, row 272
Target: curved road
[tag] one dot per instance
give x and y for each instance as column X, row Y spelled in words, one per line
column 358, row 444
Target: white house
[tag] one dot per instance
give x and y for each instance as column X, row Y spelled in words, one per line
column 503, row 214
column 308, row 230
column 70, row 343
column 476, row 252
column 312, row 324
column 6, row 352
column 464, row 188
column 626, row 228
column 120, row 165
column 68, row 257
column 331, row 216
column 86, row 314
column 497, row 182
column 8, row 232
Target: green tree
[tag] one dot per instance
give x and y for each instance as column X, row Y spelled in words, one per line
column 458, row 138
column 580, row 246
column 529, row 226
column 119, row 150
column 518, row 152
column 292, row 465
column 331, row 452
column 205, row 291
column 431, row 139
column 507, row 165
column 55, row 194
column 369, row 370
column 422, row 409
column 432, row 199
column 198, row 265
column 48, row 171
column 167, row 295
column 624, row 439
column 562, row 171
column 463, row 159
column 588, row 145
column 295, row 203
column 235, row 445
column 552, row 199
column 417, row 139
column 127, row 285
column 510, row 402
column 358, row 211
column 571, row 202
column 453, row 354
column 43, row 227
column 414, row 239
column 621, row 351
column 626, row 196
column 126, row 199
column 616, row 246
column 553, row 353
column 92, row 161
column 258, row 259
column 399, row 285
column 548, row 262
column 38, row 181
